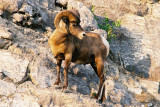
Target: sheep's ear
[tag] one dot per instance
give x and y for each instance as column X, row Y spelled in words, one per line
column 65, row 20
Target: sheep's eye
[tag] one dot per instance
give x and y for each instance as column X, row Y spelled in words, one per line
column 74, row 25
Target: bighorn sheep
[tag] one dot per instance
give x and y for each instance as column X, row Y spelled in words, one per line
column 71, row 43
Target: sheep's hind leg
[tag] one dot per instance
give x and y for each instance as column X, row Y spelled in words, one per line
column 100, row 66
column 93, row 64
column 59, row 62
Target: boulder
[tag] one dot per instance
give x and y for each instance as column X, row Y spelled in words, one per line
column 18, row 17
column 48, row 4
column 114, row 9
column 4, row 43
column 117, row 94
column 86, row 16
column 26, row 9
column 128, row 90
column 10, row 5
column 138, row 36
column 152, row 87
column 156, row 11
column 7, row 88
column 40, row 74
column 5, row 38
column 20, row 99
column 13, row 66
column 62, row 2
column 5, row 101
column 137, row 41
column 4, row 33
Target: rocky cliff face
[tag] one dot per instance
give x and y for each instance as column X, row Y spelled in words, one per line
column 138, row 37
column 28, row 69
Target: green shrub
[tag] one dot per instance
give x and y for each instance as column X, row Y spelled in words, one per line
column 107, row 25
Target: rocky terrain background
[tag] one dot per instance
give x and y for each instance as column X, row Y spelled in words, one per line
column 28, row 69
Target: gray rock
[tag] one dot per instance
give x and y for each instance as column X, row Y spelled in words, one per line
column 51, row 98
column 26, row 9
column 49, row 4
column 6, row 88
column 4, row 43
column 79, row 84
column 18, row 17
column 13, row 66
column 45, row 15
column 86, row 16
column 62, row 2
column 137, row 44
column 5, row 101
column 137, row 91
column 20, row 99
column 138, row 36
column 101, row 32
column 10, row 5
column 40, row 74
column 118, row 94
column 5, row 34
column 128, row 90
column 113, row 72
column 152, row 87
column 114, row 9
column 156, row 11
column 26, row 87
column 36, row 8
column 37, row 21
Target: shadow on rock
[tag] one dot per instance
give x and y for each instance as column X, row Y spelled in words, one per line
column 129, row 46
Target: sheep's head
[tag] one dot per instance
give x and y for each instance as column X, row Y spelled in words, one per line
column 68, row 21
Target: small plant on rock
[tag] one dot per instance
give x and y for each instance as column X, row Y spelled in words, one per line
column 107, row 25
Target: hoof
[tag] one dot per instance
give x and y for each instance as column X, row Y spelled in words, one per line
column 64, row 87
column 100, row 101
column 58, row 87
column 57, row 83
column 67, row 91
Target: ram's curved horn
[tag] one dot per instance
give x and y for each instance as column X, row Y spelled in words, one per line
column 76, row 13
column 66, row 13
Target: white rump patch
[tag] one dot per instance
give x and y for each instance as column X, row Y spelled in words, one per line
column 106, row 44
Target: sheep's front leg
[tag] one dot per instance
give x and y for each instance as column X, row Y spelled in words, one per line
column 59, row 62
column 68, row 58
